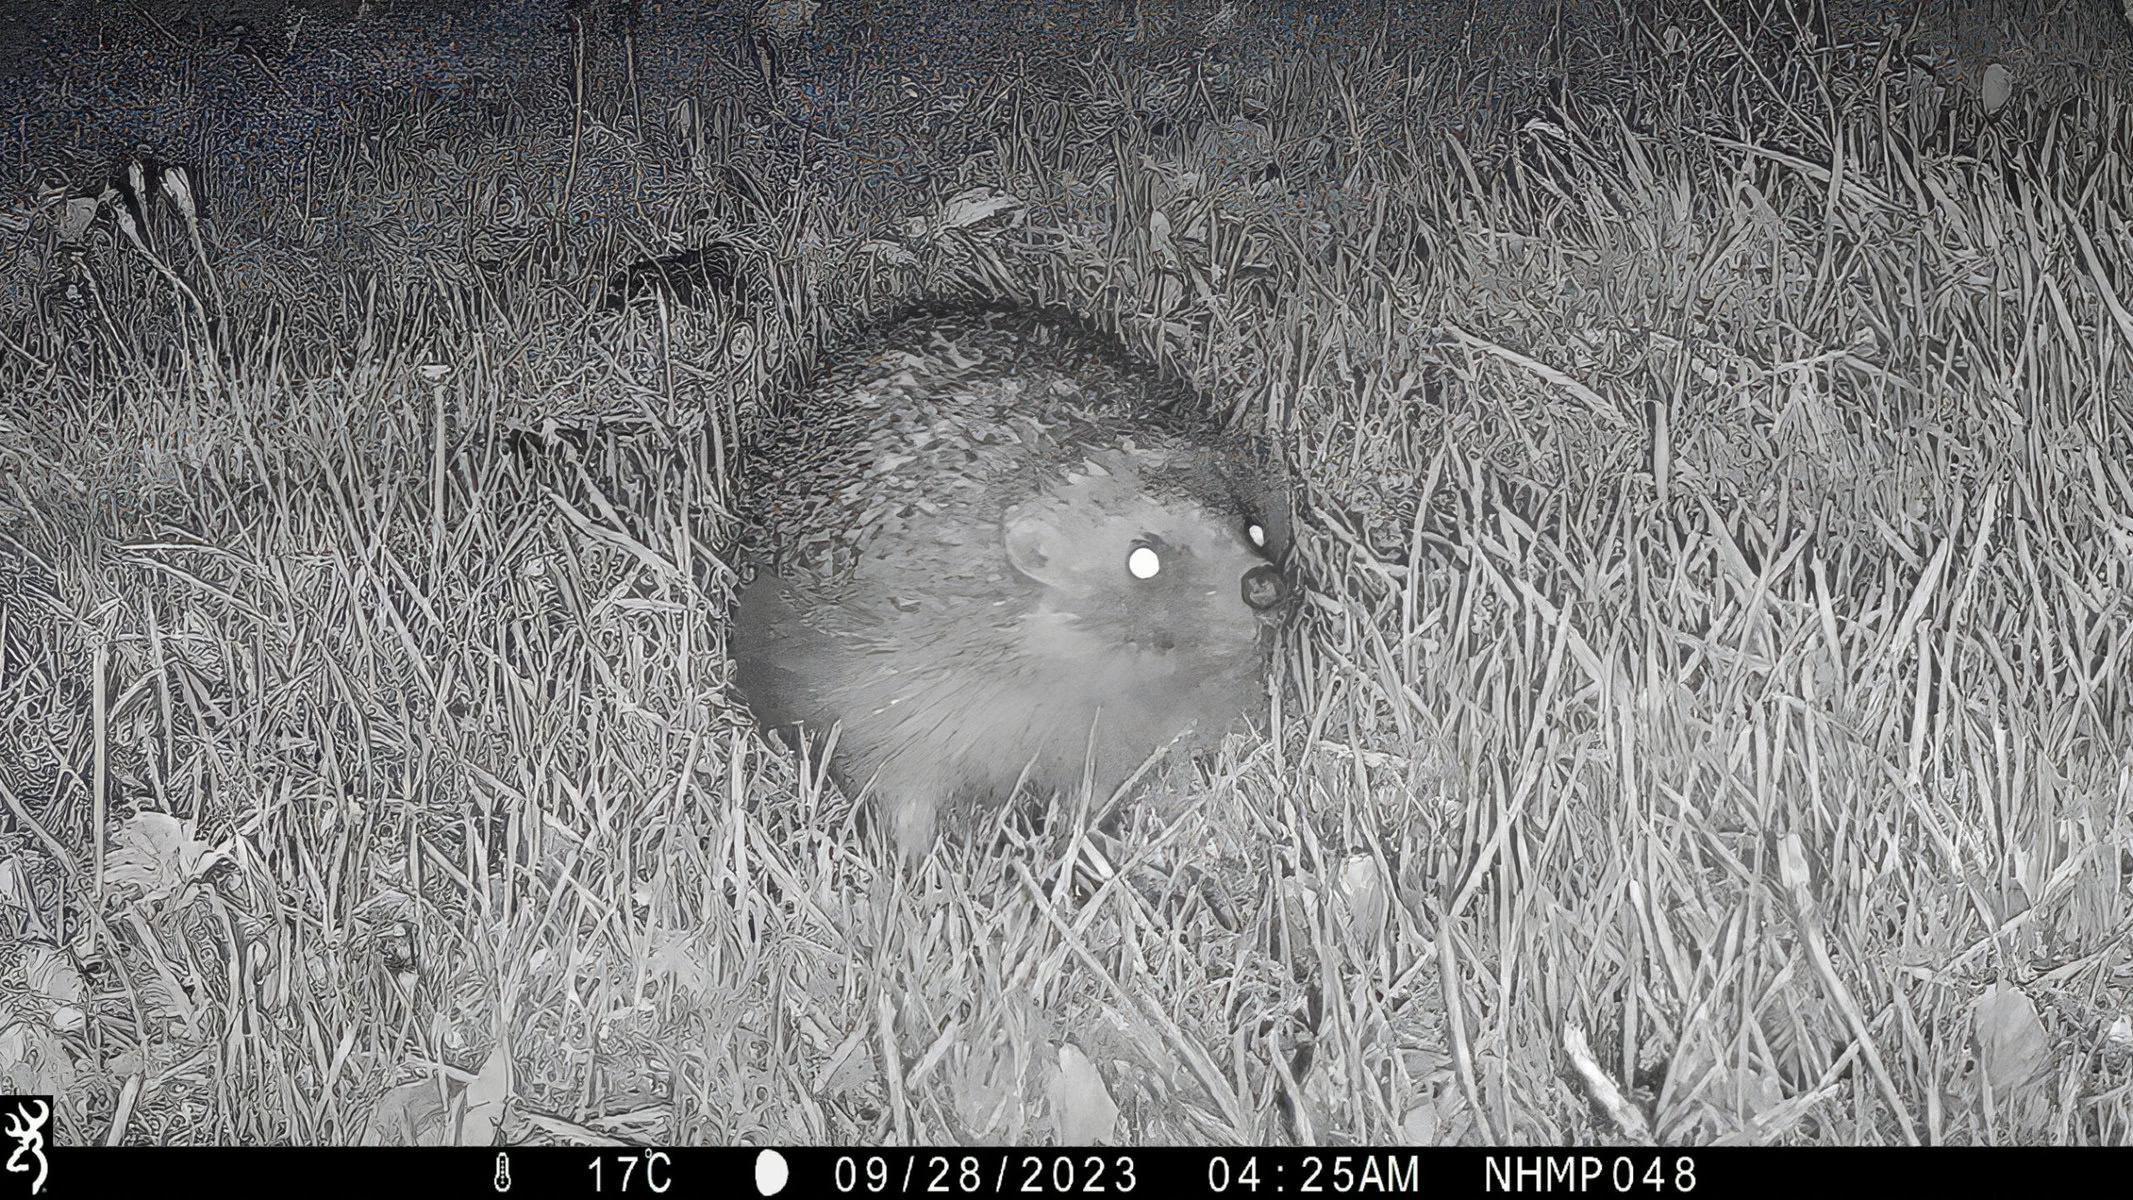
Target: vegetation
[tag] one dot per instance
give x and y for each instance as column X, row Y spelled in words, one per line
column 1713, row 689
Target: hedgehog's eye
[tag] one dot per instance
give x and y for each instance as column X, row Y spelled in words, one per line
column 1257, row 532
column 1143, row 562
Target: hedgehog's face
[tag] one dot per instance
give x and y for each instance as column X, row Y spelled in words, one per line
column 1156, row 573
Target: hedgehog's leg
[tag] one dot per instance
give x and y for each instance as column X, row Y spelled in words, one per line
column 767, row 640
column 908, row 793
column 914, row 825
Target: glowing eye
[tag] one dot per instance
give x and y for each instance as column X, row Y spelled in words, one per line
column 1257, row 533
column 1144, row 562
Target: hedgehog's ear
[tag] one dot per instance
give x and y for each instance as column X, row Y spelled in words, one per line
column 1036, row 545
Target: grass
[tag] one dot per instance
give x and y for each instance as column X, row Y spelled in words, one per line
column 1712, row 687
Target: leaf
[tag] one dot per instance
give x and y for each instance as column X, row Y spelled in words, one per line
column 981, row 206
column 51, row 974
column 674, row 956
column 1760, row 1090
column 413, row 1114
column 1159, row 243
column 485, row 1099
column 80, row 212
column 2120, row 1035
column 155, row 854
column 1998, row 86
column 33, row 1061
column 987, row 1089
column 1361, row 887
column 14, row 890
column 2012, row 1048
column 1081, row 1104
column 1419, row 1126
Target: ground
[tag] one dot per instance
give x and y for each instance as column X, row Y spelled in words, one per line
column 1706, row 722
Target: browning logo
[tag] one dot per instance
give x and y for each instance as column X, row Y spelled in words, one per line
column 23, row 1120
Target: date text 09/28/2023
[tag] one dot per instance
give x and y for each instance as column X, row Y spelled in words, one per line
column 1264, row 1172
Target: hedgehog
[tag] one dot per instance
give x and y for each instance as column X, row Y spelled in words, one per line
column 987, row 545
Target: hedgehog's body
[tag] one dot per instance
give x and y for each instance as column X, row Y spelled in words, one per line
column 984, row 537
